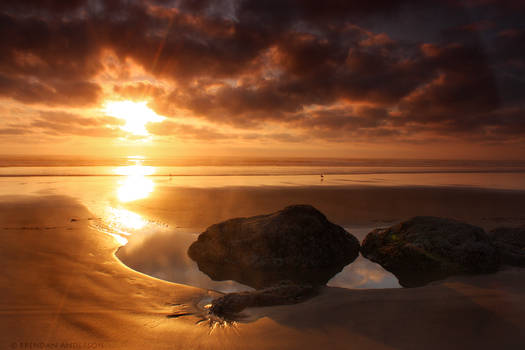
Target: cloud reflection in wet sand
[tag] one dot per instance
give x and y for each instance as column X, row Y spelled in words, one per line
column 164, row 255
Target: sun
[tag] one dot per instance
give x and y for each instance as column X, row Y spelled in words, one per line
column 135, row 114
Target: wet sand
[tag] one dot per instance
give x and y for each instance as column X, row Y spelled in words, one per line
column 348, row 206
column 359, row 209
column 61, row 284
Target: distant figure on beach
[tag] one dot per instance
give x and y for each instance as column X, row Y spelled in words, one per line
column 322, row 177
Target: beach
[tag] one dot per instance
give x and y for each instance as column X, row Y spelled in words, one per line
column 63, row 286
column 99, row 261
column 247, row 174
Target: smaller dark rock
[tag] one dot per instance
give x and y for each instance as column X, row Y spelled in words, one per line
column 424, row 249
column 510, row 243
column 286, row 292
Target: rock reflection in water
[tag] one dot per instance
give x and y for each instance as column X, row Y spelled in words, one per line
column 164, row 255
column 297, row 244
column 259, row 279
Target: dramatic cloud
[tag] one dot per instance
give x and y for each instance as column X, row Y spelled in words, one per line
column 329, row 70
column 63, row 123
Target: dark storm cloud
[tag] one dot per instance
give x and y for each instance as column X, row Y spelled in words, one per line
column 463, row 84
column 511, row 46
column 246, row 62
column 339, row 124
column 42, row 6
column 345, row 118
column 51, row 92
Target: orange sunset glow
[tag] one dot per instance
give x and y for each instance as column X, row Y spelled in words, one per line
column 178, row 78
column 262, row 174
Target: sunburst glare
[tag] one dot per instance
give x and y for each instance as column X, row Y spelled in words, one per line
column 135, row 114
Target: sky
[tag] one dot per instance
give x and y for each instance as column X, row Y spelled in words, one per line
column 294, row 78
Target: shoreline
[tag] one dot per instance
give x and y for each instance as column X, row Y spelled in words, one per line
column 64, row 284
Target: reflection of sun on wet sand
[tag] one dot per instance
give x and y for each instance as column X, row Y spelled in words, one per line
column 135, row 185
column 62, row 283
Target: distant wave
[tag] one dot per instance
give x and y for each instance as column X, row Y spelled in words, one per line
column 244, row 171
column 68, row 161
